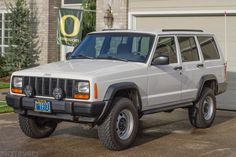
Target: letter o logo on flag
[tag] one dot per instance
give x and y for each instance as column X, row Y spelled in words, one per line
column 69, row 29
column 76, row 28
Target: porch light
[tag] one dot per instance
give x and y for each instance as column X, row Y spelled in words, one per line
column 108, row 18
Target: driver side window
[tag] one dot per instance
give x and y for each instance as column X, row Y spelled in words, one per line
column 166, row 46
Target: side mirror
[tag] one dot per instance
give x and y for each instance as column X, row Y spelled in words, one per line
column 68, row 55
column 160, row 60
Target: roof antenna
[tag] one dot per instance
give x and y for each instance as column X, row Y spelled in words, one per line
column 226, row 49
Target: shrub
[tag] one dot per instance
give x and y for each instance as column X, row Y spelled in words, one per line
column 21, row 53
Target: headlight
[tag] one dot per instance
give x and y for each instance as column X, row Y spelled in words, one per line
column 17, row 84
column 83, row 87
column 82, row 90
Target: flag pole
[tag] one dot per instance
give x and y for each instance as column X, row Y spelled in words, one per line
column 87, row 10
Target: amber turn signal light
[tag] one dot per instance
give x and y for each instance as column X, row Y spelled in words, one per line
column 95, row 91
column 16, row 90
column 81, row 96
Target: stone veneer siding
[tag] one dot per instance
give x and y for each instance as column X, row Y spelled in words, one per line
column 120, row 13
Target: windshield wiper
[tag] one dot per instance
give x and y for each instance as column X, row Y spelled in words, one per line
column 81, row 56
column 112, row 58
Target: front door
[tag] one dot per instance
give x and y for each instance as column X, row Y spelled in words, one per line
column 164, row 81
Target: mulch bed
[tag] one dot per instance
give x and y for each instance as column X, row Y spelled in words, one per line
column 3, row 96
column 5, row 79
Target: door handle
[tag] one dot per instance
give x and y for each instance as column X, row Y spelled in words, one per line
column 200, row 65
column 178, row 68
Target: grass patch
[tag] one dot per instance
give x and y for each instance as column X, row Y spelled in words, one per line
column 4, row 85
column 4, row 108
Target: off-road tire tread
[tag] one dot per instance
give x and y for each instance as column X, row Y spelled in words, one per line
column 105, row 129
column 29, row 128
column 194, row 116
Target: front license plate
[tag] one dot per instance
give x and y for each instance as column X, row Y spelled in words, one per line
column 42, row 106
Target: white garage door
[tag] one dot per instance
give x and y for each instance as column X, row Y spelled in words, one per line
column 212, row 24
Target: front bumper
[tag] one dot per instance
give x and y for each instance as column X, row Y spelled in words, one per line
column 74, row 111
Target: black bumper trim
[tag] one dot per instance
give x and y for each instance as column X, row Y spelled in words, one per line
column 75, row 111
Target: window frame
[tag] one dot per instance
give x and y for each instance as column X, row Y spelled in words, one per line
column 176, row 48
column 70, row 5
column 118, row 33
column 216, row 46
column 197, row 46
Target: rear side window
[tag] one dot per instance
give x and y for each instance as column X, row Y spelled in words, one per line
column 188, row 49
column 208, row 47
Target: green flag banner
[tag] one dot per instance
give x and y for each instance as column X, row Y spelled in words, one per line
column 69, row 29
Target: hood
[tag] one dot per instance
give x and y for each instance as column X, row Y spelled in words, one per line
column 79, row 68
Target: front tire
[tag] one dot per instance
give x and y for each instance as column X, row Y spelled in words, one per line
column 35, row 127
column 120, row 128
column 202, row 113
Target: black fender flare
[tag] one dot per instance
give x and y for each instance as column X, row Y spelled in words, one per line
column 110, row 94
column 202, row 82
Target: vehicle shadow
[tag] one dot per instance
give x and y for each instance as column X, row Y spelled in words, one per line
column 160, row 128
column 77, row 130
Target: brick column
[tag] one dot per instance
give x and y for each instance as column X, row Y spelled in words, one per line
column 53, row 48
column 47, row 11
column 120, row 13
column 41, row 7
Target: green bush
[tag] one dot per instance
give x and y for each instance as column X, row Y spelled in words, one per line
column 21, row 53
column 2, row 65
column 89, row 17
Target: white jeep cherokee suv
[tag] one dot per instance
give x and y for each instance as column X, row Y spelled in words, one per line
column 114, row 77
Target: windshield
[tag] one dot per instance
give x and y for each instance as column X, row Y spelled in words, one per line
column 115, row 46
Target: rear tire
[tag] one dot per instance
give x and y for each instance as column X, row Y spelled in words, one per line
column 120, row 127
column 202, row 113
column 35, row 127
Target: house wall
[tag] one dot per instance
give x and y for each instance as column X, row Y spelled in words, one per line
column 179, row 5
column 47, row 30
column 120, row 13
column 42, row 30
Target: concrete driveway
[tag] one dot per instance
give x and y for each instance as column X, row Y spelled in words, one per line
column 163, row 134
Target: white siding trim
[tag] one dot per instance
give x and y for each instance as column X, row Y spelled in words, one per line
column 2, row 46
column 76, row 5
column 132, row 15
